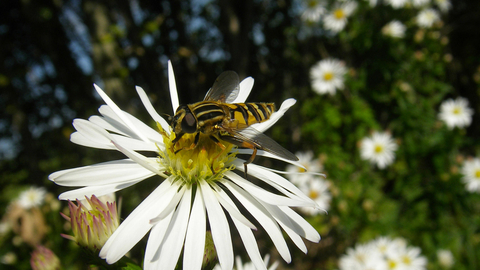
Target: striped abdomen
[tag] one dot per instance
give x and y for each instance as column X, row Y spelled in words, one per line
column 250, row 113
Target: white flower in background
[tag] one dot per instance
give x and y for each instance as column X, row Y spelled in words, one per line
column 327, row 76
column 471, row 174
column 313, row 11
column 445, row 258
column 363, row 256
column 336, row 20
column 372, row 3
column 383, row 254
column 394, row 29
column 32, row 197
column 456, row 113
column 318, row 190
column 378, row 149
column 397, row 3
column 191, row 194
column 443, row 5
column 310, row 164
column 420, row 3
column 239, row 265
column 427, row 17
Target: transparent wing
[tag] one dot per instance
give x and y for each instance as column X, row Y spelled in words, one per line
column 225, row 89
column 259, row 140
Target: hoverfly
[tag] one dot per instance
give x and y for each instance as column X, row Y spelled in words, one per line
column 220, row 119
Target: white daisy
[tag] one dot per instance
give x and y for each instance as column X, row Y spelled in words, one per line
column 337, row 19
column 313, row 11
column 318, row 190
column 471, row 174
column 394, row 29
column 397, row 3
column 327, row 76
column 239, row 265
column 411, row 258
column 456, row 113
column 362, row 257
column 420, row 3
column 443, row 5
column 372, row 3
column 32, row 197
column 445, row 258
column 383, row 254
column 177, row 211
column 427, row 17
column 297, row 174
column 378, row 149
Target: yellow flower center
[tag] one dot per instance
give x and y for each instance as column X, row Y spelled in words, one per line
column 328, row 76
column 312, row 3
column 477, row 174
column 313, row 194
column 190, row 163
column 457, row 111
column 407, row 260
column 339, row 14
column 378, row 149
column 391, row 264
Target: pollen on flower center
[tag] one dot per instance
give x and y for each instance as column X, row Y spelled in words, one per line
column 339, row 14
column 378, row 149
column 328, row 76
column 190, row 163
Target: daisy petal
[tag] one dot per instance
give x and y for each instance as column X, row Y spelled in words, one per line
column 263, row 217
column 136, row 225
column 173, row 87
column 148, row 105
column 119, row 112
column 245, row 88
column 154, row 240
column 262, row 127
column 172, row 244
column 219, row 227
column 98, row 191
column 111, row 172
column 196, row 231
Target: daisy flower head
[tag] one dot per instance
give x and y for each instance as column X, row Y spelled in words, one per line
column 456, row 113
column 32, row 197
column 445, row 258
column 327, row 76
column 378, row 149
column 297, row 174
column 336, row 20
column 318, row 190
column 427, row 17
column 198, row 184
column 420, row 3
column 239, row 265
column 396, row 4
column 443, row 5
column 394, row 29
column 471, row 174
column 313, row 11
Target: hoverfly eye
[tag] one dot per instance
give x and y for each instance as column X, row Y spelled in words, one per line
column 189, row 123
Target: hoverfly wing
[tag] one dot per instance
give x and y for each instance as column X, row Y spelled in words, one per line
column 263, row 142
column 225, row 89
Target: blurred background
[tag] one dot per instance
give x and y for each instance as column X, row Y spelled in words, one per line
column 51, row 53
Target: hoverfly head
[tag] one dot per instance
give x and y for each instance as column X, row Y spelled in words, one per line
column 184, row 120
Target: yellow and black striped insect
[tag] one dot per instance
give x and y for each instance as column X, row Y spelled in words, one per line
column 220, row 119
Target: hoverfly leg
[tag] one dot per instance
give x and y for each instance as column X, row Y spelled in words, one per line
column 213, row 138
column 249, row 160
